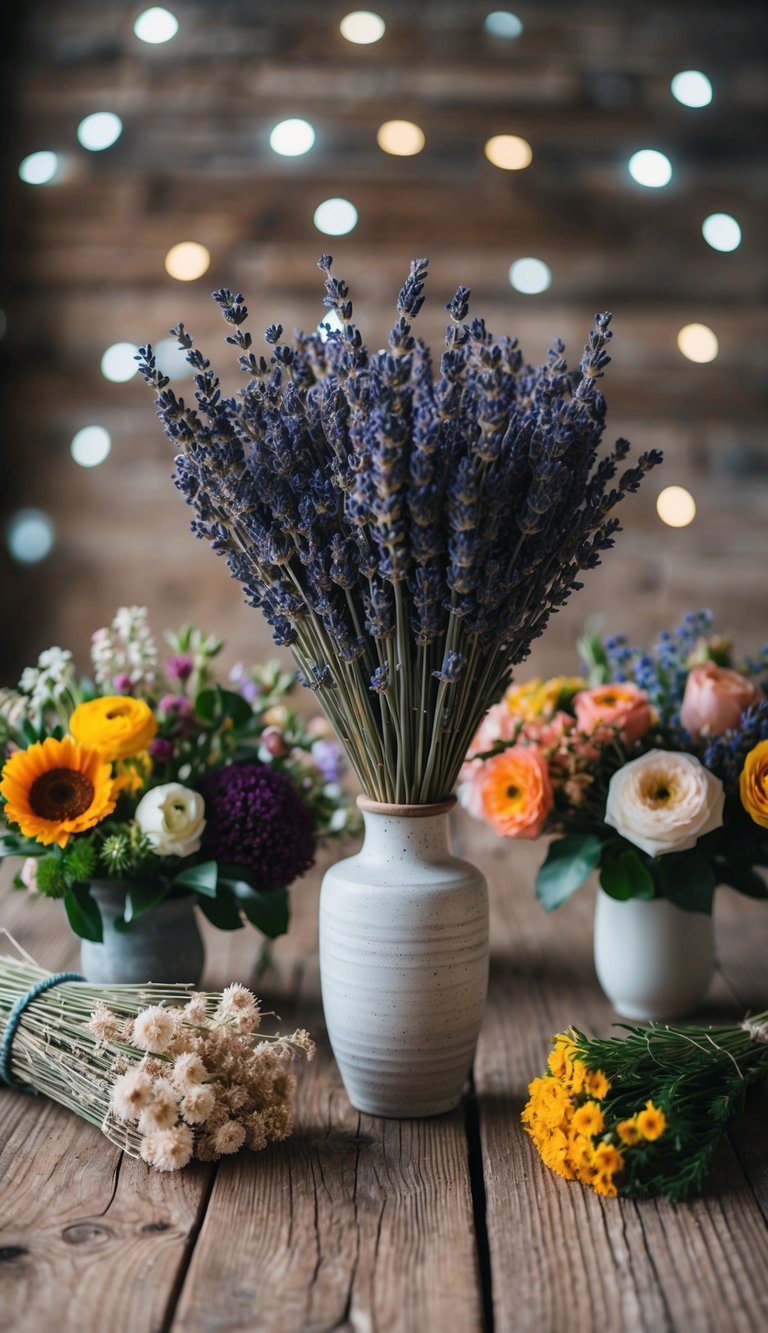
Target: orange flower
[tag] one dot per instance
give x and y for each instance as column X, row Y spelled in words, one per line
column 618, row 705
column 588, row 1120
column 651, row 1122
column 517, row 793
column 753, row 784
column 57, row 788
column 116, row 725
column 596, row 1084
column 628, row 1132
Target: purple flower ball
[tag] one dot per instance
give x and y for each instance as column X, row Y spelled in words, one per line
column 256, row 819
column 161, row 749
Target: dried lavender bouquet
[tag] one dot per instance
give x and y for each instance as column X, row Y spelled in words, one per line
column 407, row 534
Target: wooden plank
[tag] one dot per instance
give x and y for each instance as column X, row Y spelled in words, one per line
column 356, row 1223
column 561, row 1257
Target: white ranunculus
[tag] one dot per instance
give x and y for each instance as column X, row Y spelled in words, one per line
column 173, row 818
column 664, row 802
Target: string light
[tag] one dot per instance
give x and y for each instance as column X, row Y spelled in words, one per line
column 90, row 446
column 29, row 536
column 156, row 25
column 292, row 138
column 530, row 276
column 187, row 261
column 722, row 232
column 335, row 217
column 99, row 131
column 39, row 168
column 401, row 138
column 362, row 27
column 118, row 364
column 692, row 88
column 676, row 507
column 509, row 152
column 698, row 343
column 651, row 168
column 502, row 23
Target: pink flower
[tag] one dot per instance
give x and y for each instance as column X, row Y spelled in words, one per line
column 273, row 742
column 179, row 668
column 714, row 700
column 622, row 705
column 517, row 792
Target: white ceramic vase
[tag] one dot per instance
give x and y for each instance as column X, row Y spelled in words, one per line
column 404, row 963
column 653, row 960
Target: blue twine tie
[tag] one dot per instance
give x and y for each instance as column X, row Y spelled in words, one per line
column 14, row 1018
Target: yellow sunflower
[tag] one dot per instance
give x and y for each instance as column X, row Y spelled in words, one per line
column 116, row 725
column 57, row 788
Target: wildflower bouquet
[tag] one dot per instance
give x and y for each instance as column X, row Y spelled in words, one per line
column 654, row 770
column 644, row 1114
column 406, row 531
column 166, row 1073
column 156, row 777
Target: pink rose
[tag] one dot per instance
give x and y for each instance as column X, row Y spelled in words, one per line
column 621, row 704
column 714, row 700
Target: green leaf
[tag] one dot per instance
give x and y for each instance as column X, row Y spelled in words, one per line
column 223, row 911
column 688, row 880
column 624, row 875
column 84, row 915
column 202, row 878
column 570, row 861
column 141, row 898
column 213, row 705
column 12, row 844
column 267, row 909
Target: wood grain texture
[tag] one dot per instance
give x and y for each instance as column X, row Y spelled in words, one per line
column 561, row 1257
column 356, row 1223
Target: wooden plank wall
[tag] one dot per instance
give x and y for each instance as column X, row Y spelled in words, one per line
column 586, row 85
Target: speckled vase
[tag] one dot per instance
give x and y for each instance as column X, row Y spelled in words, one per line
column 404, row 963
column 653, row 960
column 164, row 944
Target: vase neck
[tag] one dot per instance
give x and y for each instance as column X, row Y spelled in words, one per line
column 423, row 837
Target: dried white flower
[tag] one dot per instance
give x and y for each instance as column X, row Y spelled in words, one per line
column 198, row 1103
column 162, row 1111
column 195, row 1011
column 229, row 1137
column 131, row 1093
column 103, row 1023
column 169, row 1149
column 188, row 1069
column 154, row 1029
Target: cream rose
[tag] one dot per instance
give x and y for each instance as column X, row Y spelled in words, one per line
column 714, row 700
column 173, row 818
column 664, row 802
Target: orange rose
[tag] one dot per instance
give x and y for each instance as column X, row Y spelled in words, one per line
column 622, row 705
column 714, row 700
column 517, row 793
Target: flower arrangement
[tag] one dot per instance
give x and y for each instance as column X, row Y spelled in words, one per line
column 155, row 776
column 406, row 532
column 654, row 770
column 167, row 1074
column 643, row 1114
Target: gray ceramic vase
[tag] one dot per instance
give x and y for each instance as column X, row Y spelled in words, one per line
column 163, row 945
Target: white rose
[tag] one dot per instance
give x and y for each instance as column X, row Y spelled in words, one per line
column 173, row 818
column 664, row 802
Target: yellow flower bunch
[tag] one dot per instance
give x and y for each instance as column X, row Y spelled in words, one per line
column 539, row 698
column 569, row 1127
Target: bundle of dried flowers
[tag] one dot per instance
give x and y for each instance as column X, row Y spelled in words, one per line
column 406, row 533
column 168, row 1074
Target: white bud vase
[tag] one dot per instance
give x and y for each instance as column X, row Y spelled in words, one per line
column 653, row 960
column 404, row 963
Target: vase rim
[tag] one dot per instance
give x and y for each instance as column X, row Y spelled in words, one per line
column 371, row 807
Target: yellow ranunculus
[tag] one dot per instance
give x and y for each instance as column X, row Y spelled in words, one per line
column 57, row 788
column 753, row 784
column 118, row 726
column 132, row 774
column 539, row 698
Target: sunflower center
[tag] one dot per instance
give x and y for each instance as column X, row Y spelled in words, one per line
column 62, row 793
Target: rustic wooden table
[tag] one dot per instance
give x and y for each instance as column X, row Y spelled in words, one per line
column 363, row 1224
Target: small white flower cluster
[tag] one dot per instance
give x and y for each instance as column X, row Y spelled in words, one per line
column 52, row 680
column 206, row 1084
column 124, row 655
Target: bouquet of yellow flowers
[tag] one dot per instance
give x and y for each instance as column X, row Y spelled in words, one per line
column 643, row 1114
column 153, row 776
